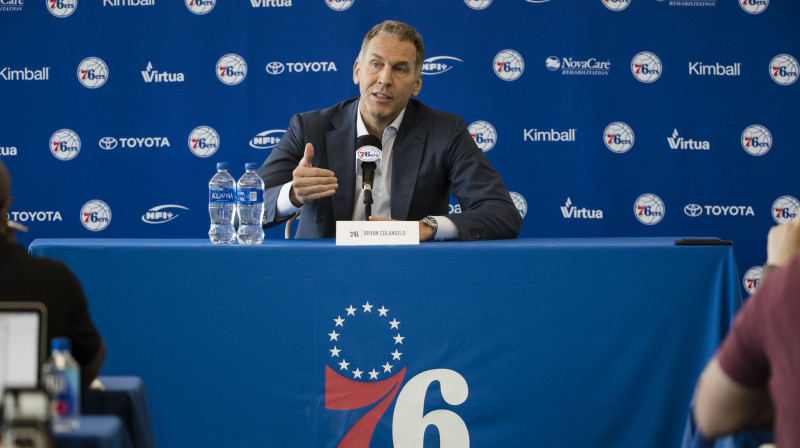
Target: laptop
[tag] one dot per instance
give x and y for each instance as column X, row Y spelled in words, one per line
column 23, row 344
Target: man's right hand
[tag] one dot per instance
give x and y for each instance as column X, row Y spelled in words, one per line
column 309, row 183
column 783, row 243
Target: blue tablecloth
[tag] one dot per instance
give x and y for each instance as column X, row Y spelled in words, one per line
column 95, row 431
column 125, row 397
column 530, row 342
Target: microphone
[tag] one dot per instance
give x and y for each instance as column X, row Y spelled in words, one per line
column 368, row 151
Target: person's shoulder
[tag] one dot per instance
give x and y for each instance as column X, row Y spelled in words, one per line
column 425, row 113
column 329, row 111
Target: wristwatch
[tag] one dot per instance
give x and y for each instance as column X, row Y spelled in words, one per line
column 430, row 221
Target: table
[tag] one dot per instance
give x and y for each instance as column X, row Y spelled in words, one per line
column 545, row 342
column 95, row 431
column 125, row 397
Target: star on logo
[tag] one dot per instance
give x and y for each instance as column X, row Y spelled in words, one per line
column 373, row 370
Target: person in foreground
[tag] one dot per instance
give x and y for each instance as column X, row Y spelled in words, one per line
column 427, row 155
column 752, row 381
column 26, row 278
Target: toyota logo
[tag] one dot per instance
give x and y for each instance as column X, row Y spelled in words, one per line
column 693, row 210
column 108, row 143
column 275, row 68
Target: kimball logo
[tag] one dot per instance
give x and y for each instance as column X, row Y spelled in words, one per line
column 162, row 213
column 438, row 65
column 570, row 66
column 535, row 135
column 570, row 211
column 11, row 5
column 676, row 142
column 129, row 2
column 25, row 74
column 717, row 69
column 267, row 139
column 270, row 3
column 150, row 75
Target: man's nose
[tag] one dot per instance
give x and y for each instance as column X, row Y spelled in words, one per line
column 385, row 76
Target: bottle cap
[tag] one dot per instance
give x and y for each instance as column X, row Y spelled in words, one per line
column 222, row 166
column 60, row 344
column 250, row 166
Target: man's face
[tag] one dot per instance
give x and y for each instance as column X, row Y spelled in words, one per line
column 386, row 78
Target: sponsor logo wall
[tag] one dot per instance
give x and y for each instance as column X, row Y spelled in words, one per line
column 698, row 136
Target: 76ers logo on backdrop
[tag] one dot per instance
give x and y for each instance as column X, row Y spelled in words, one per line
column 200, row 7
column 365, row 368
column 61, row 8
column 92, row 72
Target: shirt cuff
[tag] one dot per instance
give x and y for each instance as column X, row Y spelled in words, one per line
column 447, row 230
column 285, row 206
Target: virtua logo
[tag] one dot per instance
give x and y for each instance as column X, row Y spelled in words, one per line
column 270, row 3
column 8, row 150
column 151, row 75
column 571, row 211
column 698, row 68
column 676, row 142
column 25, row 74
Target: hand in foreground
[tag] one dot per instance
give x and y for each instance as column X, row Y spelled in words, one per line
column 309, row 183
column 783, row 243
column 425, row 232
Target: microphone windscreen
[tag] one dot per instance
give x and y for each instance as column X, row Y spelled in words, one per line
column 368, row 140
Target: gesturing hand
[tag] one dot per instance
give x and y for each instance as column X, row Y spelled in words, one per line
column 309, row 183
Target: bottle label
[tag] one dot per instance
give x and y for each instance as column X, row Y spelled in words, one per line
column 222, row 196
column 250, row 196
column 64, row 388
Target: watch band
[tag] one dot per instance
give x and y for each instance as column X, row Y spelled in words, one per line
column 430, row 221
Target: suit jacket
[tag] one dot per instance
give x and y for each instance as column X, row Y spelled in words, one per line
column 433, row 156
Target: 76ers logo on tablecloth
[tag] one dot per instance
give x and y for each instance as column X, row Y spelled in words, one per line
column 366, row 369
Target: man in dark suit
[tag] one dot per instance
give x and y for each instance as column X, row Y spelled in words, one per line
column 26, row 278
column 427, row 155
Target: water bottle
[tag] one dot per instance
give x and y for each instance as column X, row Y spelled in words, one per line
column 222, row 205
column 62, row 379
column 250, row 204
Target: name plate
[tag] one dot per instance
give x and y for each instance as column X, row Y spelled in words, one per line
column 376, row 233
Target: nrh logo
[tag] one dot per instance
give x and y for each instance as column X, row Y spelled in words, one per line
column 360, row 375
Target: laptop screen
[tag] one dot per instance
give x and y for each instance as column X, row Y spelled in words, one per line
column 22, row 344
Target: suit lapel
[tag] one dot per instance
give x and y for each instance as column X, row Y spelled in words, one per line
column 407, row 161
column 340, row 144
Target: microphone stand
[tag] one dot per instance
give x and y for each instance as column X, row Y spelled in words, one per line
column 367, row 203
